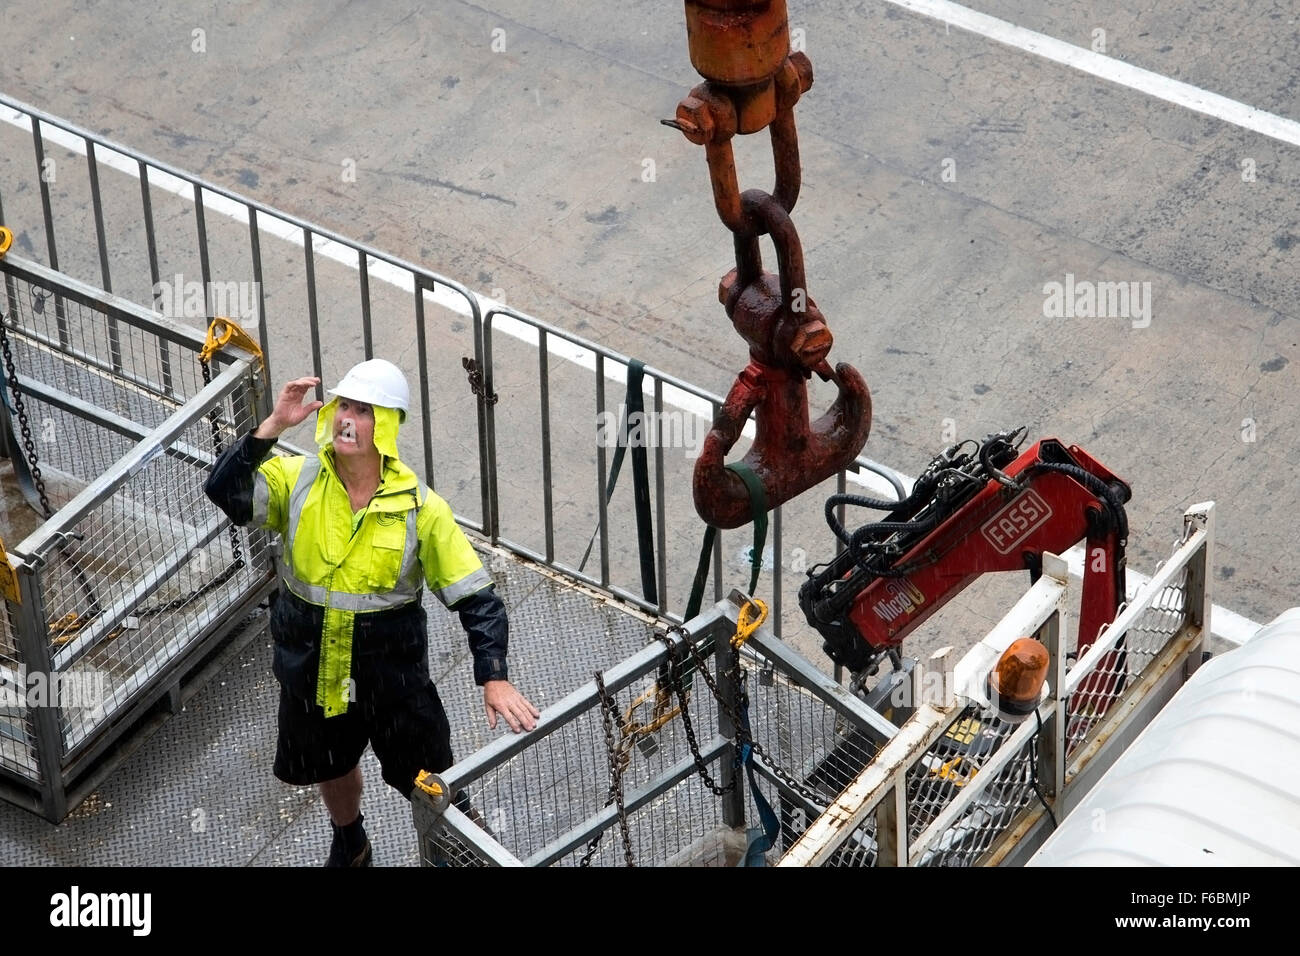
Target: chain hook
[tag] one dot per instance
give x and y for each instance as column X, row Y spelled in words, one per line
column 752, row 83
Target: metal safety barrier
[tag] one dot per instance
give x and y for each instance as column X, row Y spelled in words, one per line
column 140, row 225
column 960, row 787
column 151, row 219
column 576, row 373
column 552, row 797
column 130, row 582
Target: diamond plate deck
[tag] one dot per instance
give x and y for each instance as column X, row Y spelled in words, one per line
column 200, row 791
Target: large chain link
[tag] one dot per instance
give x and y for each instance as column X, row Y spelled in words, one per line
column 744, row 735
column 24, row 426
column 619, row 756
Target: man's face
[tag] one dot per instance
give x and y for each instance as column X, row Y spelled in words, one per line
column 354, row 429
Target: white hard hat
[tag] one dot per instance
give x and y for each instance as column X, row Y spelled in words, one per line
column 376, row 382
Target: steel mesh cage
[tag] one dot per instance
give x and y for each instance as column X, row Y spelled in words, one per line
column 976, row 778
column 131, row 574
column 536, row 797
column 18, row 753
column 818, row 746
column 543, row 801
column 442, row 847
column 154, row 559
column 988, row 817
column 1161, row 619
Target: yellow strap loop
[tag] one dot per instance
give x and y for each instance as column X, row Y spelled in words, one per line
column 8, row 577
column 6, row 240
column 223, row 332
column 662, row 713
column 745, row 626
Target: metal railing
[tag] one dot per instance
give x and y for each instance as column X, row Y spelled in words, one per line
column 677, row 414
column 543, row 798
column 292, row 336
column 132, row 579
column 298, row 333
column 959, row 787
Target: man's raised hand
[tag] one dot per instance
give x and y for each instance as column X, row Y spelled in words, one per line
column 289, row 409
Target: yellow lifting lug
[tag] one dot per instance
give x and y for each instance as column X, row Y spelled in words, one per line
column 662, row 712
column 745, row 624
column 6, row 240
column 431, row 784
column 66, row 628
column 222, row 332
column 8, row 576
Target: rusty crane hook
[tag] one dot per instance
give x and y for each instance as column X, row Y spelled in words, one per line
column 752, row 83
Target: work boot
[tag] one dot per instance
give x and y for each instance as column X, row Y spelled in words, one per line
column 351, row 846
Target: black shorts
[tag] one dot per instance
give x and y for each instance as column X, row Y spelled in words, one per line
column 409, row 732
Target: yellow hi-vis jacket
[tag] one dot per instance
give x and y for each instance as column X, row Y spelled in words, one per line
column 407, row 536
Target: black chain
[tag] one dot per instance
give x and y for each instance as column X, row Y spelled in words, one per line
column 619, row 756
column 23, row 424
column 33, row 461
column 676, row 683
column 744, row 735
column 475, row 375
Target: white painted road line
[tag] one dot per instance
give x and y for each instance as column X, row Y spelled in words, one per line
column 1108, row 68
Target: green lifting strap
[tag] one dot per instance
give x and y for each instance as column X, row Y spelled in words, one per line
column 634, row 404
column 641, row 482
column 701, row 574
column 758, row 511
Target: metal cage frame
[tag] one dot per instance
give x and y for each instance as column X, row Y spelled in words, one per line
column 167, row 658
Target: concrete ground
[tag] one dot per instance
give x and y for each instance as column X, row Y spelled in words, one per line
column 948, row 178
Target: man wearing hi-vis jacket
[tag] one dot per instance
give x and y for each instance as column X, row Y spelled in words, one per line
column 361, row 537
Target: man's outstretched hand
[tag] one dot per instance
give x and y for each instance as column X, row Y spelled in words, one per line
column 500, row 697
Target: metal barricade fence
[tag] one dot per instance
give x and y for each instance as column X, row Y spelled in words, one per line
column 959, row 787
column 132, row 580
column 542, row 798
column 573, row 473
column 166, row 251
column 163, row 235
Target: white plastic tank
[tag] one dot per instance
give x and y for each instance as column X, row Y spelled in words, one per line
column 1214, row 780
